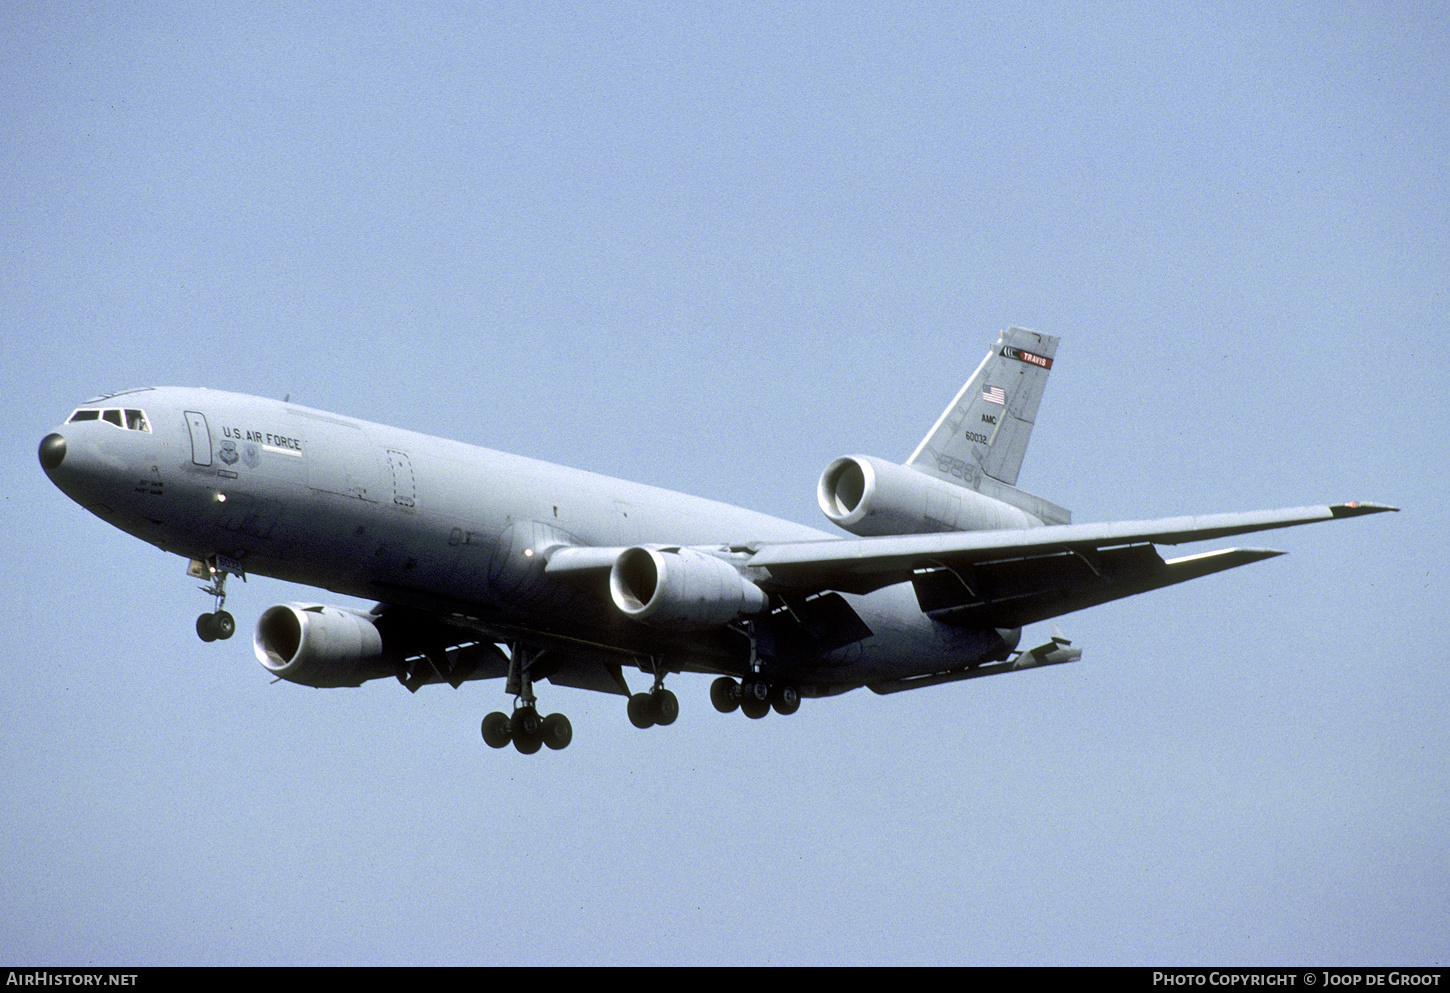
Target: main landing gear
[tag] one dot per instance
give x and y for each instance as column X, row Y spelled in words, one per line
column 658, row 706
column 754, row 697
column 218, row 625
column 526, row 729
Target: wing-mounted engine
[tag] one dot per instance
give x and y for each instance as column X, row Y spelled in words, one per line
column 681, row 589
column 322, row 646
column 870, row 496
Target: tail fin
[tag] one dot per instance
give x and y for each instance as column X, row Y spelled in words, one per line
column 980, row 439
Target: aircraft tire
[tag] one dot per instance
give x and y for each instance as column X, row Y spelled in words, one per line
column 206, row 627
column 755, row 689
column 224, row 624
column 785, row 699
column 666, row 707
column 528, row 744
column 496, row 730
column 753, row 708
column 641, row 711
column 725, row 694
column 556, row 731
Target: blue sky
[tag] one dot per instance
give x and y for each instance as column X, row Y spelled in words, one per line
column 712, row 247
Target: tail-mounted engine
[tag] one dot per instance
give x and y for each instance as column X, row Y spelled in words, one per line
column 681, row 589
column 869, row 496
column 320, row 646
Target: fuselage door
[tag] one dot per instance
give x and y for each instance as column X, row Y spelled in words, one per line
column 200, row 438
column 405, row 487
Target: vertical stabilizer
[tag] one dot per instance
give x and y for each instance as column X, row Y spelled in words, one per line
column 984, row 432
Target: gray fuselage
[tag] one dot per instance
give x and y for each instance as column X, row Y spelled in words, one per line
column 392, row 515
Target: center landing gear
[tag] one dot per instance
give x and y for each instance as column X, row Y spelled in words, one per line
column 218, row 625
column 526, row 729
column 658, row 706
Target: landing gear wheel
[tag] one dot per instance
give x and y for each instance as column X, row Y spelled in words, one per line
column 753, row 708
column 785, row 699
column 755, row 699
column 528, row 744
column 496, row 730
column 206, row 628
column 665, row 706
column 224, row 624
column 525, row 731
column 725, row 694
column 556, row 731
column 642, row 711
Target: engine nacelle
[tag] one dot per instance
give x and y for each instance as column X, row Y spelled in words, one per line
column 316, row 645
column 681, row 589
column 869, row 496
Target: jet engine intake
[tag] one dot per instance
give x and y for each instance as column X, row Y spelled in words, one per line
column 321, row 646
column 869, row 496
column 681, row 589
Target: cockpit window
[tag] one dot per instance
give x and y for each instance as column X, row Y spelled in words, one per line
column 128, row 418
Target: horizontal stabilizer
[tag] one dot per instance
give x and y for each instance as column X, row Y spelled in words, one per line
column 1055, row 652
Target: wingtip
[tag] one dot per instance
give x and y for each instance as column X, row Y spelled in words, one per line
column 1357, row 508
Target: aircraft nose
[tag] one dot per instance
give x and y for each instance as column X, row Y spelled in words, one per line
column 52, row 451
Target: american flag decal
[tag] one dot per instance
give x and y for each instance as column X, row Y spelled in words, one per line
column 995, row 394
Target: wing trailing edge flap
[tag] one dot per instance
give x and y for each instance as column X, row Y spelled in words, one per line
column 590, row 674
column 1023, row 591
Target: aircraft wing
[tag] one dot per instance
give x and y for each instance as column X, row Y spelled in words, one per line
column 1010, row 578
column 1002, row 578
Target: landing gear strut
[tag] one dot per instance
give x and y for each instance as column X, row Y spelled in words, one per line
column 219, row 624
column 754, row 695
column 526, row 729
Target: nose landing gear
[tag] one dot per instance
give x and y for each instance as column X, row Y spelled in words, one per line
column 218, row 625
